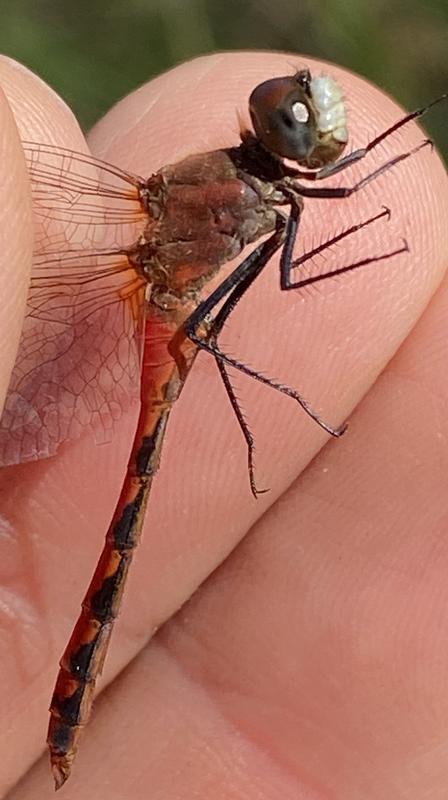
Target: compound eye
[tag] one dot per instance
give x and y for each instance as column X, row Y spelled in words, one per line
column 301, row 118
column 283, row 119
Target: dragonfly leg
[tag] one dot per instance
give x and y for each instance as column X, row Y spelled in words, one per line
column 331, row 192
column 235, row 286
column 242, row 422
column 287, row 263
column 217, row 324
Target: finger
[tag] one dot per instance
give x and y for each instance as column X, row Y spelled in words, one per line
column 312, row 662
column 15, row 242
column 180, row 555
column 354, row 324
column 26, row 664
column 322, row 641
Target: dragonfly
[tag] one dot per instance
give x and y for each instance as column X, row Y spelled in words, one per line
column 145, row 300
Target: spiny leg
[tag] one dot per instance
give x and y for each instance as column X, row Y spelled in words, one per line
column 247, row 273
column 239, row 281
column 244, row 427
column 237, row 293
column 335, row 192
column 240, row 286
column 287, row 263
column 264, row 255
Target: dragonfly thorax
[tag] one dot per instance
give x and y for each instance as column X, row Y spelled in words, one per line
column 204, row 211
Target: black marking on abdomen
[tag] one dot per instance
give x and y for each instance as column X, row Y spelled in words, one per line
column 125, row 528
column 147, row 456
column 80, row 661
column 69, row 708
column 102, row 602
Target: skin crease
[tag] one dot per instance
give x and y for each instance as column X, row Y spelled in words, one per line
column 312, row 663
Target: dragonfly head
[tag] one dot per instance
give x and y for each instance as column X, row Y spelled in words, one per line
column 300, row 118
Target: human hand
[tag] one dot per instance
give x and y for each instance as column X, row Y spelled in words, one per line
column 313, row 661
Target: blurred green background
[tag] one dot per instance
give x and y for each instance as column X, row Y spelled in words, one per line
column 95, row 51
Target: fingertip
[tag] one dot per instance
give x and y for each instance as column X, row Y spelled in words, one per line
column 195, row 107
column 40, row 114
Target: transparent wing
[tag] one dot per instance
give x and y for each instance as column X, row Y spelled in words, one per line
column 78, row 364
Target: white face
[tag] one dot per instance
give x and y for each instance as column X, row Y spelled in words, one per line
column 328, row 102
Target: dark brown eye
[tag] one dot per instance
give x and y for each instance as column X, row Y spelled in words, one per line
column 282, row 118
column 300, row 117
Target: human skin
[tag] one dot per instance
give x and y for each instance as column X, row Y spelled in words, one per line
column 312, row 662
